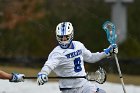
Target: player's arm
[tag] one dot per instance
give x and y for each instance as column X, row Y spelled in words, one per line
column 50, row 64
column 14, row 77
column 94, row 57
column 4, row 75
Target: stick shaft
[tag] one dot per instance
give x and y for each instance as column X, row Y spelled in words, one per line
column 34, row 77
column 89, row 77
column 120, row 74
column 111, row 36
column 57, row 77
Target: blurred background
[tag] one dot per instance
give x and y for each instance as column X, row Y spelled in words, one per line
column 27, row 33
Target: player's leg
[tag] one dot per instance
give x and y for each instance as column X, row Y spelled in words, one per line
column 91, row 88
column 100, row 91
column 64, row 91
column 86, row 88
column 74, row 90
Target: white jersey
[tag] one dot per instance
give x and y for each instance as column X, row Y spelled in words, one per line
column 70, row 62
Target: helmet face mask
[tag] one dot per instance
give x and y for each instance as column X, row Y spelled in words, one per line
column 64, row 34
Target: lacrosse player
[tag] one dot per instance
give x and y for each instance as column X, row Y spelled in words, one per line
column 14, row 77
column 67, row 59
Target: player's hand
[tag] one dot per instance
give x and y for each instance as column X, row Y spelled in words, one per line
column 111, row 49
column 115, row 49
column 16, row 77
column 42, row 78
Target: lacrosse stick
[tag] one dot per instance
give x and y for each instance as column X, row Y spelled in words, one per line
column 99, row 76
column 109, row 28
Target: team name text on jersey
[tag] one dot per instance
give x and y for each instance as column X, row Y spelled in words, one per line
column 73, row 54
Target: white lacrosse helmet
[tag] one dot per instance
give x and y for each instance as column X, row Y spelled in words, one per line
column 64, row 29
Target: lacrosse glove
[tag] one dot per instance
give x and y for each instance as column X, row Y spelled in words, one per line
column 16, row 77
column 112, row 49
column 42, row 78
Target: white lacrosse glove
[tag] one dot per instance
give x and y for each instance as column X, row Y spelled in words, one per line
column 111, row 49
column 42, row 78
column 16, row 77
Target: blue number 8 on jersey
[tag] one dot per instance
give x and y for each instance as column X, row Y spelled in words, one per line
column 77, row 64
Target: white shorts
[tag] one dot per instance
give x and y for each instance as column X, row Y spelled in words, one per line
column 86, row 88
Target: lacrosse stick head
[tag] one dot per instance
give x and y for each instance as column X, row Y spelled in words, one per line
column 99, row 76
column 109, row 28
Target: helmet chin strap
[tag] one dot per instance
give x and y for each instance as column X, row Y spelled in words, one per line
column 70, row 46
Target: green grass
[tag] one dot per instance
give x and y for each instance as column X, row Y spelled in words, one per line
column 128, row 79
column 26, row 71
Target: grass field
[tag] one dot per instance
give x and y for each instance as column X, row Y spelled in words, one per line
column 128, row 79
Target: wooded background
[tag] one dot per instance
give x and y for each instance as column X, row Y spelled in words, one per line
column 27, row 28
